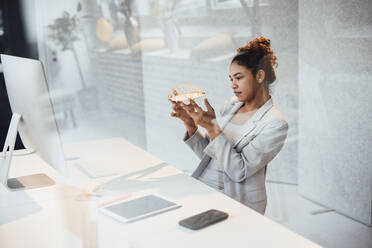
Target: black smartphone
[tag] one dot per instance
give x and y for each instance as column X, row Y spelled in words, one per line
column 203, row 219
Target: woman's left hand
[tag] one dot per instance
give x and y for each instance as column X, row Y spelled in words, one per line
column 206, row 119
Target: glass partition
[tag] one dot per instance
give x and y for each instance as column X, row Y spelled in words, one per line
column 111, row 65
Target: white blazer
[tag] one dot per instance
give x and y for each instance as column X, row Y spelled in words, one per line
column 243, row 160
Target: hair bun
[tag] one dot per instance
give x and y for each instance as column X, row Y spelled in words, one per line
column 263, row 41
column 258, row 42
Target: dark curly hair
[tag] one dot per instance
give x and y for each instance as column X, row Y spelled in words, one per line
column 257, row 55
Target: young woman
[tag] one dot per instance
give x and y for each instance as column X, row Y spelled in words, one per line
column 251, row 131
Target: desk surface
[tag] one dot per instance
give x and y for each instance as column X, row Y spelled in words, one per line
column 60, row 216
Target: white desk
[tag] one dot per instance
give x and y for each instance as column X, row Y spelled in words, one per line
column 54, row 216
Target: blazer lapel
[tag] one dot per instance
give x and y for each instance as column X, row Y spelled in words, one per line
column 222, row 123
column 226, row 118
column 251, row 123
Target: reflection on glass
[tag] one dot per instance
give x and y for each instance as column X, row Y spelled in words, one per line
column 64, row 32
column 193, row 40
column 215, row 46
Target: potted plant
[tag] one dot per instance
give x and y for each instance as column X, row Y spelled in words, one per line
column 164, row 10
column 64, row 32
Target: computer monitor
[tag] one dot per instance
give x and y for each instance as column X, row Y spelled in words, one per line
column 33, row 117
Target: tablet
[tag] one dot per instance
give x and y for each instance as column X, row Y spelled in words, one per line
column 138, row 208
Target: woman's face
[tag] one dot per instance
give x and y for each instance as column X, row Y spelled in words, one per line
column 243, row 83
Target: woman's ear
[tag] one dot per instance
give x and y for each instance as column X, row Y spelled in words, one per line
column 260, row 76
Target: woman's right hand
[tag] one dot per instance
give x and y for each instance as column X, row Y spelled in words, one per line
column 180, row 113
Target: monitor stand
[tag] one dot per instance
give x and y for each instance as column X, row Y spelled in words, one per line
column 19, row 183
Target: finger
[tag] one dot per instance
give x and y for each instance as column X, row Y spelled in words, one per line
column 209, row 107
column 190, row 111
column 196, row 106
column 184, row 105
column 173, row 102
column 175, row 105
column 174, row 91
column 188, row 107
column 177, row 115
column 179, row 105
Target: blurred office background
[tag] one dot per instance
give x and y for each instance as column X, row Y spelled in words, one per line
column 111, row 64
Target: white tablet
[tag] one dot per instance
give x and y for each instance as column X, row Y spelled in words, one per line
column 138, row 208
